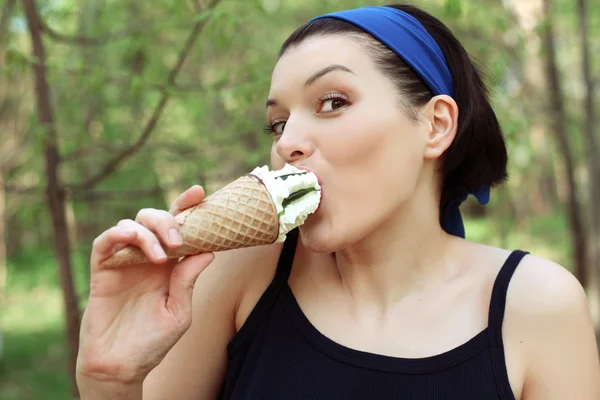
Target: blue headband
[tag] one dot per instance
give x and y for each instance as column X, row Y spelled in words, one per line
column 409, row 39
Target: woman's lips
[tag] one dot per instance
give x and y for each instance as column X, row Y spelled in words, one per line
column 310, row 170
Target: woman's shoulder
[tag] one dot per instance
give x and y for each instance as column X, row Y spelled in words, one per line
column 539, row 286
column 548, row 323
column 252, row 270
column 546, row 328
column 546, row 306
column 235, row 277
column 542, row 291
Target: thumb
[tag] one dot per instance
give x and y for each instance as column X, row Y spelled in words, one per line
column 181, row 286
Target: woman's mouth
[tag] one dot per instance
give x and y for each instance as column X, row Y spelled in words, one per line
column 310, row 170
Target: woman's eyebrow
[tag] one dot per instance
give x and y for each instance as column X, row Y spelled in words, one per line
column 316, row 76
column 319, row 74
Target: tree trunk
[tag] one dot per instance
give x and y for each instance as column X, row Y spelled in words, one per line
column 591, row 145
column 7, row 10
column 88, row 226
column 54, row 190
column 527, row 16
column 14, row 241
column 559, row 128
column 3, row 258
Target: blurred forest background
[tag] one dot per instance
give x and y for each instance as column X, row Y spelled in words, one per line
column 110, row 106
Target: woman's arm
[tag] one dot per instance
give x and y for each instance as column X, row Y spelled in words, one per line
column 550, row 309
column 195, row 367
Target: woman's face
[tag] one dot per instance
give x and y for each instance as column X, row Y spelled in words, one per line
column 334, row 113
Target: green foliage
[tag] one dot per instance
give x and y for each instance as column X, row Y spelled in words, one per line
column 15, row 62
column 210, row 130
column 453, row 8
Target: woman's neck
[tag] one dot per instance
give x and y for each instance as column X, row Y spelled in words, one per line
column 406, row 254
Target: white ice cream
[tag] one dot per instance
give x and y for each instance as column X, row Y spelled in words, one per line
column 295, row 213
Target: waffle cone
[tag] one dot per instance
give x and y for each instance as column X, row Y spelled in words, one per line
column 241, row 214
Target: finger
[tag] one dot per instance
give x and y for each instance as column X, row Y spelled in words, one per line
column 163, row 224
column 181, row 287
column 187, row 199
column 146, row 241
column 110, row 241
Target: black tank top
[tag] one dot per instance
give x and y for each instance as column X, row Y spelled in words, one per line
column 279, row 355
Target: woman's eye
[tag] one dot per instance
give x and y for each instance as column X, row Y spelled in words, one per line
column 330, row 105
column 275, row 128
column 278, row 128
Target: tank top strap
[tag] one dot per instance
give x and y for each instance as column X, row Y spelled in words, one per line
column 496, row 317
column 499, row 292
column 270, row 295
column 286, row 258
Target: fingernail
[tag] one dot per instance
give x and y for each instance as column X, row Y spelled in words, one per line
column 158, row 251
column 175, row 237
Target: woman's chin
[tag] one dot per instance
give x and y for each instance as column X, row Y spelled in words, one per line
column 318, row 238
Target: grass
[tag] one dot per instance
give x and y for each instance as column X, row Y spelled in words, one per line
column 35, row 357
column 34, row 365
column 35, row 361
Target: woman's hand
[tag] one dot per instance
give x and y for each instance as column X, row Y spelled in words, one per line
column 135, row 314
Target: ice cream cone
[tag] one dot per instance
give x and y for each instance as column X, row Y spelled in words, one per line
column 241, row 214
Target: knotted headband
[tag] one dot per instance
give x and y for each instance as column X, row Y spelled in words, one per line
column 408, row 38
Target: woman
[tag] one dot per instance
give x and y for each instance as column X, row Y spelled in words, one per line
column 378, row 296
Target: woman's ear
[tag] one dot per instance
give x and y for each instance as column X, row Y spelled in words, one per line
column 442, row 124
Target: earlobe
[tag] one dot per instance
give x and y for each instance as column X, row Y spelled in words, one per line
column 442, row 124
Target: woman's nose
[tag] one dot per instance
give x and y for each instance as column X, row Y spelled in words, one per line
column 294, row 145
